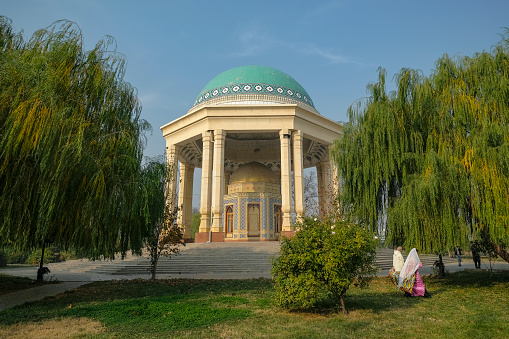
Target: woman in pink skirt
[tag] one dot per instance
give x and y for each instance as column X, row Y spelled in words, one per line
column 408, row 272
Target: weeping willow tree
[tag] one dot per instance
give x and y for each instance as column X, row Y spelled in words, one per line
column 433, row 156
column 71, row 143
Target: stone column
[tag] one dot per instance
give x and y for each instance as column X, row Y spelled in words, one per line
column 171, row 185
column 286, row 185
column 206, row 185
column 218, row 180
column 298, row 174
column 226, row 181
column 186, row 198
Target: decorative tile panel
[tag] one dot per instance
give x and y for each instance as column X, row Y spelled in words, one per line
column 235, row 211
column 254, row 88
column 272, row 202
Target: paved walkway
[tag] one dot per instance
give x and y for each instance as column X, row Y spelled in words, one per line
column 196, row 261
column 36, row 293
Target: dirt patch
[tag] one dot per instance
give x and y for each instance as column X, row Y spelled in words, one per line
column 54, row 328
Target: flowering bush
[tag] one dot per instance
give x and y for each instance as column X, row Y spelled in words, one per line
column 317, row 266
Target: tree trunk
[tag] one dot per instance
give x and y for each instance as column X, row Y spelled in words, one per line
column 153, row 267
column 40, row 271
column 342, row 303
column 502, row 253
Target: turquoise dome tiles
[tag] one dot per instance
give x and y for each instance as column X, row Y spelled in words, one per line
column 254, row 80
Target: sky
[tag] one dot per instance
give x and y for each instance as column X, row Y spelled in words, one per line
column 332, row 48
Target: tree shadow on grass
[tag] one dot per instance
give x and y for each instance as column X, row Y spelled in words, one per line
column 380, row 296
column 173, row 304
column 469, row 278
column 381, row 302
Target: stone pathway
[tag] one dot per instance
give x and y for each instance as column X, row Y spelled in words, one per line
column 36, row 293
column 195, row 261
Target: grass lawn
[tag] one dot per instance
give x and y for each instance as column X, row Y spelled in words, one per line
column 468, row 304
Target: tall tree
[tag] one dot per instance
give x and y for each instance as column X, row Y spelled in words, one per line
column 71, row 142
column 436, row 150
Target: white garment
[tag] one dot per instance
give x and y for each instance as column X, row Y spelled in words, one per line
column 397, row 261
column 411, row 266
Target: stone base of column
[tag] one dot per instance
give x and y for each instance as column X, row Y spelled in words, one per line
column 186, row 231
column 288, row 234
column 207, row 236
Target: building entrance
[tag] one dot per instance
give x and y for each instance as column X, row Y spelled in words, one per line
column 253, row 220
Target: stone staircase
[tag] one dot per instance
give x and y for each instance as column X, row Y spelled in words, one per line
column 229, row 260
column 384, row 259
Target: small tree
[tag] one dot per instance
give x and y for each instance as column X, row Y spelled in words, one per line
column 486, row 248
column 164, row 237
column 195, row 222
column 317, row 266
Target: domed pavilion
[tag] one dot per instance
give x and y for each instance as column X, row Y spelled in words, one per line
column 249, row 130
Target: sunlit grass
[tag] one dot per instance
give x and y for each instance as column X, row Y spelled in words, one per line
column 469, row 304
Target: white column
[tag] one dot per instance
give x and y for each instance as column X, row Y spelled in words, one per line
column 182, row 184
column 206, row 182
column 218, row 180
column 298, row 169
column 286, row 185
column 185, row 198
column 171, row 185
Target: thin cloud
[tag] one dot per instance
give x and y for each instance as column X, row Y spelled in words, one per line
column 334, row 58
column 327, row 8
column 253, row 43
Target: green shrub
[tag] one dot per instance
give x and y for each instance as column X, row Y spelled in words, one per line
column 317, row 266
column 53, row 254
column 14, row 256
column 35, row 257
column 195, row 224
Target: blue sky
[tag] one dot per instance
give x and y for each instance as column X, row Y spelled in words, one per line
column 332, row 48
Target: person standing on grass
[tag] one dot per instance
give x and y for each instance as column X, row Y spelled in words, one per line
column 397, row 264
column 475, row 255
column 410, row 279
column 457, row 252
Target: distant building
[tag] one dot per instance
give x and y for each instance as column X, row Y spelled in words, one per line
column 249, row 129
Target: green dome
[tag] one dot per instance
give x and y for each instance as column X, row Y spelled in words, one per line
column 254, row 80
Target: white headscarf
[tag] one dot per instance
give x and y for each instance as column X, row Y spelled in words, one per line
column 410, row 267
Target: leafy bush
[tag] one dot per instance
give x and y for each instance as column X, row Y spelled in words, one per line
column 35, row 257
column 195, row 224
column 317, row 266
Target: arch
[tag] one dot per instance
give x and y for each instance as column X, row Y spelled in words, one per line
column 253, row 223
column 278, row 219
column 229, row 220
